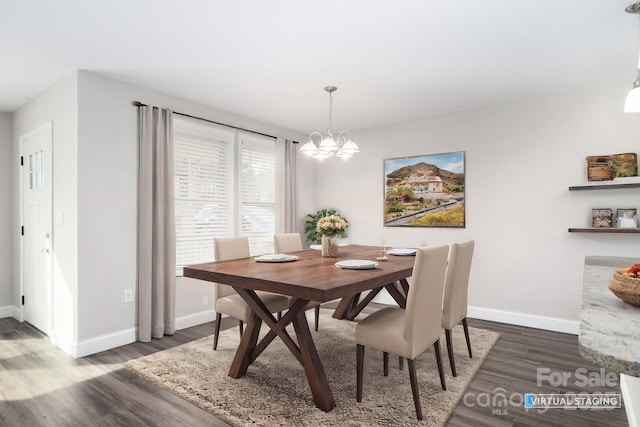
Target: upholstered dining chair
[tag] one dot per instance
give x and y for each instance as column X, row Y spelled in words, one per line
column 408, row 332
column 292, row 242
column 227, row 301
column 454, row 308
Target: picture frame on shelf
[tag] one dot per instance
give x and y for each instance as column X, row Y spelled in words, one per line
column 602, row 218
column 599, row 168
column 624, row 165
column 626, row 218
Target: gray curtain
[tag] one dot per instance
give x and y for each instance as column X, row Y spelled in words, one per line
column 156, row 225
column 290, row 187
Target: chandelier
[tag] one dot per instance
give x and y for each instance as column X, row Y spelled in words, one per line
column 320, row 147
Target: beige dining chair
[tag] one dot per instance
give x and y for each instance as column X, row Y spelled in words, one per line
column 227, row 301
column 454, row 308
column 292, row 242
column 408, row 332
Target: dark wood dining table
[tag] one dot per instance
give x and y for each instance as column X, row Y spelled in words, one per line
column 310, row 278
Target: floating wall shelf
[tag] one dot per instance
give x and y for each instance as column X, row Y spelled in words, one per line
column 603, row 230
column 633, row 182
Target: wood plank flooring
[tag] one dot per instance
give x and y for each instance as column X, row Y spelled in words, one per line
column 49, row 388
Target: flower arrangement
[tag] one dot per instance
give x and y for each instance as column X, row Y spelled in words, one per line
column 311, row 224
column 332, row 225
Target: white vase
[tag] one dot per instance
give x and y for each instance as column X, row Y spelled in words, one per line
column 329, row 246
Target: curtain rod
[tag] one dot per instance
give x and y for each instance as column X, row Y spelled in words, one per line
column 140, row 104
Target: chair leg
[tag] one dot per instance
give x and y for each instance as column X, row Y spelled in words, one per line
column 414, row 387
column 359, row 369
column 452, row 362
column 241, row 324
column 317, row 311
column 436, row 348
column 401, row 363
column 466, row 335
column 216, row 332
column 385, row 363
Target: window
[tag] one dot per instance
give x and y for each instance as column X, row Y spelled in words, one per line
column 258, row 192
column 36, row 180
column 225, row 185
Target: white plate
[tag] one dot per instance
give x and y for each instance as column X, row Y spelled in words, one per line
column 357, row 264
column 402, row 251
column 276, row 258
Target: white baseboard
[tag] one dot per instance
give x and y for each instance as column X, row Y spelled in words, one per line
column 11, row 311
column 6, row 311
column 100, row 343
column 123, row 337
column 195, row 319
column 521, row 319
column 512, row 318
column 17, row 313
column 127, row 336
column 83, row 348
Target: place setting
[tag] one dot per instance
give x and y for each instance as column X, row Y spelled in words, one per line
column 402, row 251
column 356, row 264
column 364, row 264
column 276, row 258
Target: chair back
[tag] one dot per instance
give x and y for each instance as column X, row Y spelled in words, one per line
column 424, row 301
column 454, row 307
column 288, row 242
column 226, row 248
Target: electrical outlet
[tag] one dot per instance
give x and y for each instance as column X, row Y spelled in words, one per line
column 128, row 295
column 205, row 300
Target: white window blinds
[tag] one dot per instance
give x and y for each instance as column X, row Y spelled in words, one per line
column 225, row 185
column 258, row 192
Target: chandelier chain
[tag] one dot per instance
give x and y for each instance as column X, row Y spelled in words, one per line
column 330, row 111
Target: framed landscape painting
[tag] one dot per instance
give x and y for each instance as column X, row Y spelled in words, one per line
column 425, row 191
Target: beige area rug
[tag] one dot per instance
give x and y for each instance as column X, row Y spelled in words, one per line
column 275, row 391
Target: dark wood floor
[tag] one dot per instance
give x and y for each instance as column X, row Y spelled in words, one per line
column 42, row 386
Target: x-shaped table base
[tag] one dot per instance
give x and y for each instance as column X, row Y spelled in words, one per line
column 304, row 350
column 349, row 307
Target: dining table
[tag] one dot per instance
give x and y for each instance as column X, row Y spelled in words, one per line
column 308, row 277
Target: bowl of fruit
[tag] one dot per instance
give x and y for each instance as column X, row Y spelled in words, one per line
column 625, row 284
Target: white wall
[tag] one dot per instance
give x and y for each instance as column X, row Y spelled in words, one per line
column 6, row 157
column 520, row 161
column 107, row 215
column 59, row 106
column 95, row 207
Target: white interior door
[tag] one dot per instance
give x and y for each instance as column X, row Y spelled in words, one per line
column 37, row 222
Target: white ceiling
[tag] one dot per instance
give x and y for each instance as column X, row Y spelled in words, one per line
column 392, row 60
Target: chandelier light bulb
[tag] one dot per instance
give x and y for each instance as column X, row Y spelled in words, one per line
column 632, row 102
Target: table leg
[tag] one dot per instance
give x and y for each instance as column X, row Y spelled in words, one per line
column 349, row 307
column 241, row 361
column 405, row 287
column 357, row 308
column 305, row 350
column 318, row 383
column 396, row 295
column 345, row 306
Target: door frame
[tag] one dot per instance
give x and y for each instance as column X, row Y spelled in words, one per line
column 48, row 127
